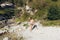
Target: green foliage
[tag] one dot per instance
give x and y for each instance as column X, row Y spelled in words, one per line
column 9, row 10
column 24, row 17
column 7, row 13
column 30, row 0
column 18, row 2
column 39, row 4
column 2, row 11
column 54, row 0
column 26, row 25
column 53, row 13
column 50, row 23
column 41, row 14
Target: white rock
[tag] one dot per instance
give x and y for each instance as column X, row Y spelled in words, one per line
column 36, row 10
column 6, row 38
column 27, row 7
column 9, row 4
column 2, row 5
column 2, row 31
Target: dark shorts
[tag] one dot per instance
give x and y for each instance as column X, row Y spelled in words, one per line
column 34, row 27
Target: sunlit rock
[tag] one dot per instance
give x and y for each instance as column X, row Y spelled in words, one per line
column 6, row 38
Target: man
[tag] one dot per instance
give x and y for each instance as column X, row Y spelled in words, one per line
column 32, row 23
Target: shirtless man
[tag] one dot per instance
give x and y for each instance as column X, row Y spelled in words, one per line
column 32, row 22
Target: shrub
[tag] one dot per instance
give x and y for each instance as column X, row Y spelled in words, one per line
column 53, row 13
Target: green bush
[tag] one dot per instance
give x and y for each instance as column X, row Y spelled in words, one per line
column 53, row 13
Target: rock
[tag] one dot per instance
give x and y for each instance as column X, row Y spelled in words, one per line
column 27, row 7
column 6, row 38
column 36, row 10
column 2, row 5
column 1, row 24
column 3, row 31
column 6, row 4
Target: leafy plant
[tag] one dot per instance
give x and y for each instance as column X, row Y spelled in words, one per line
column 53, row 13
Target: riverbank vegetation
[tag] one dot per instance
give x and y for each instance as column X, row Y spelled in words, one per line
column 48, row 10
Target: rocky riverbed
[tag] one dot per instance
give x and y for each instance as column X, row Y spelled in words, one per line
column 39, row 33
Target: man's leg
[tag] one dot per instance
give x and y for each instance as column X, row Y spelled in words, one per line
column 31, row 27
